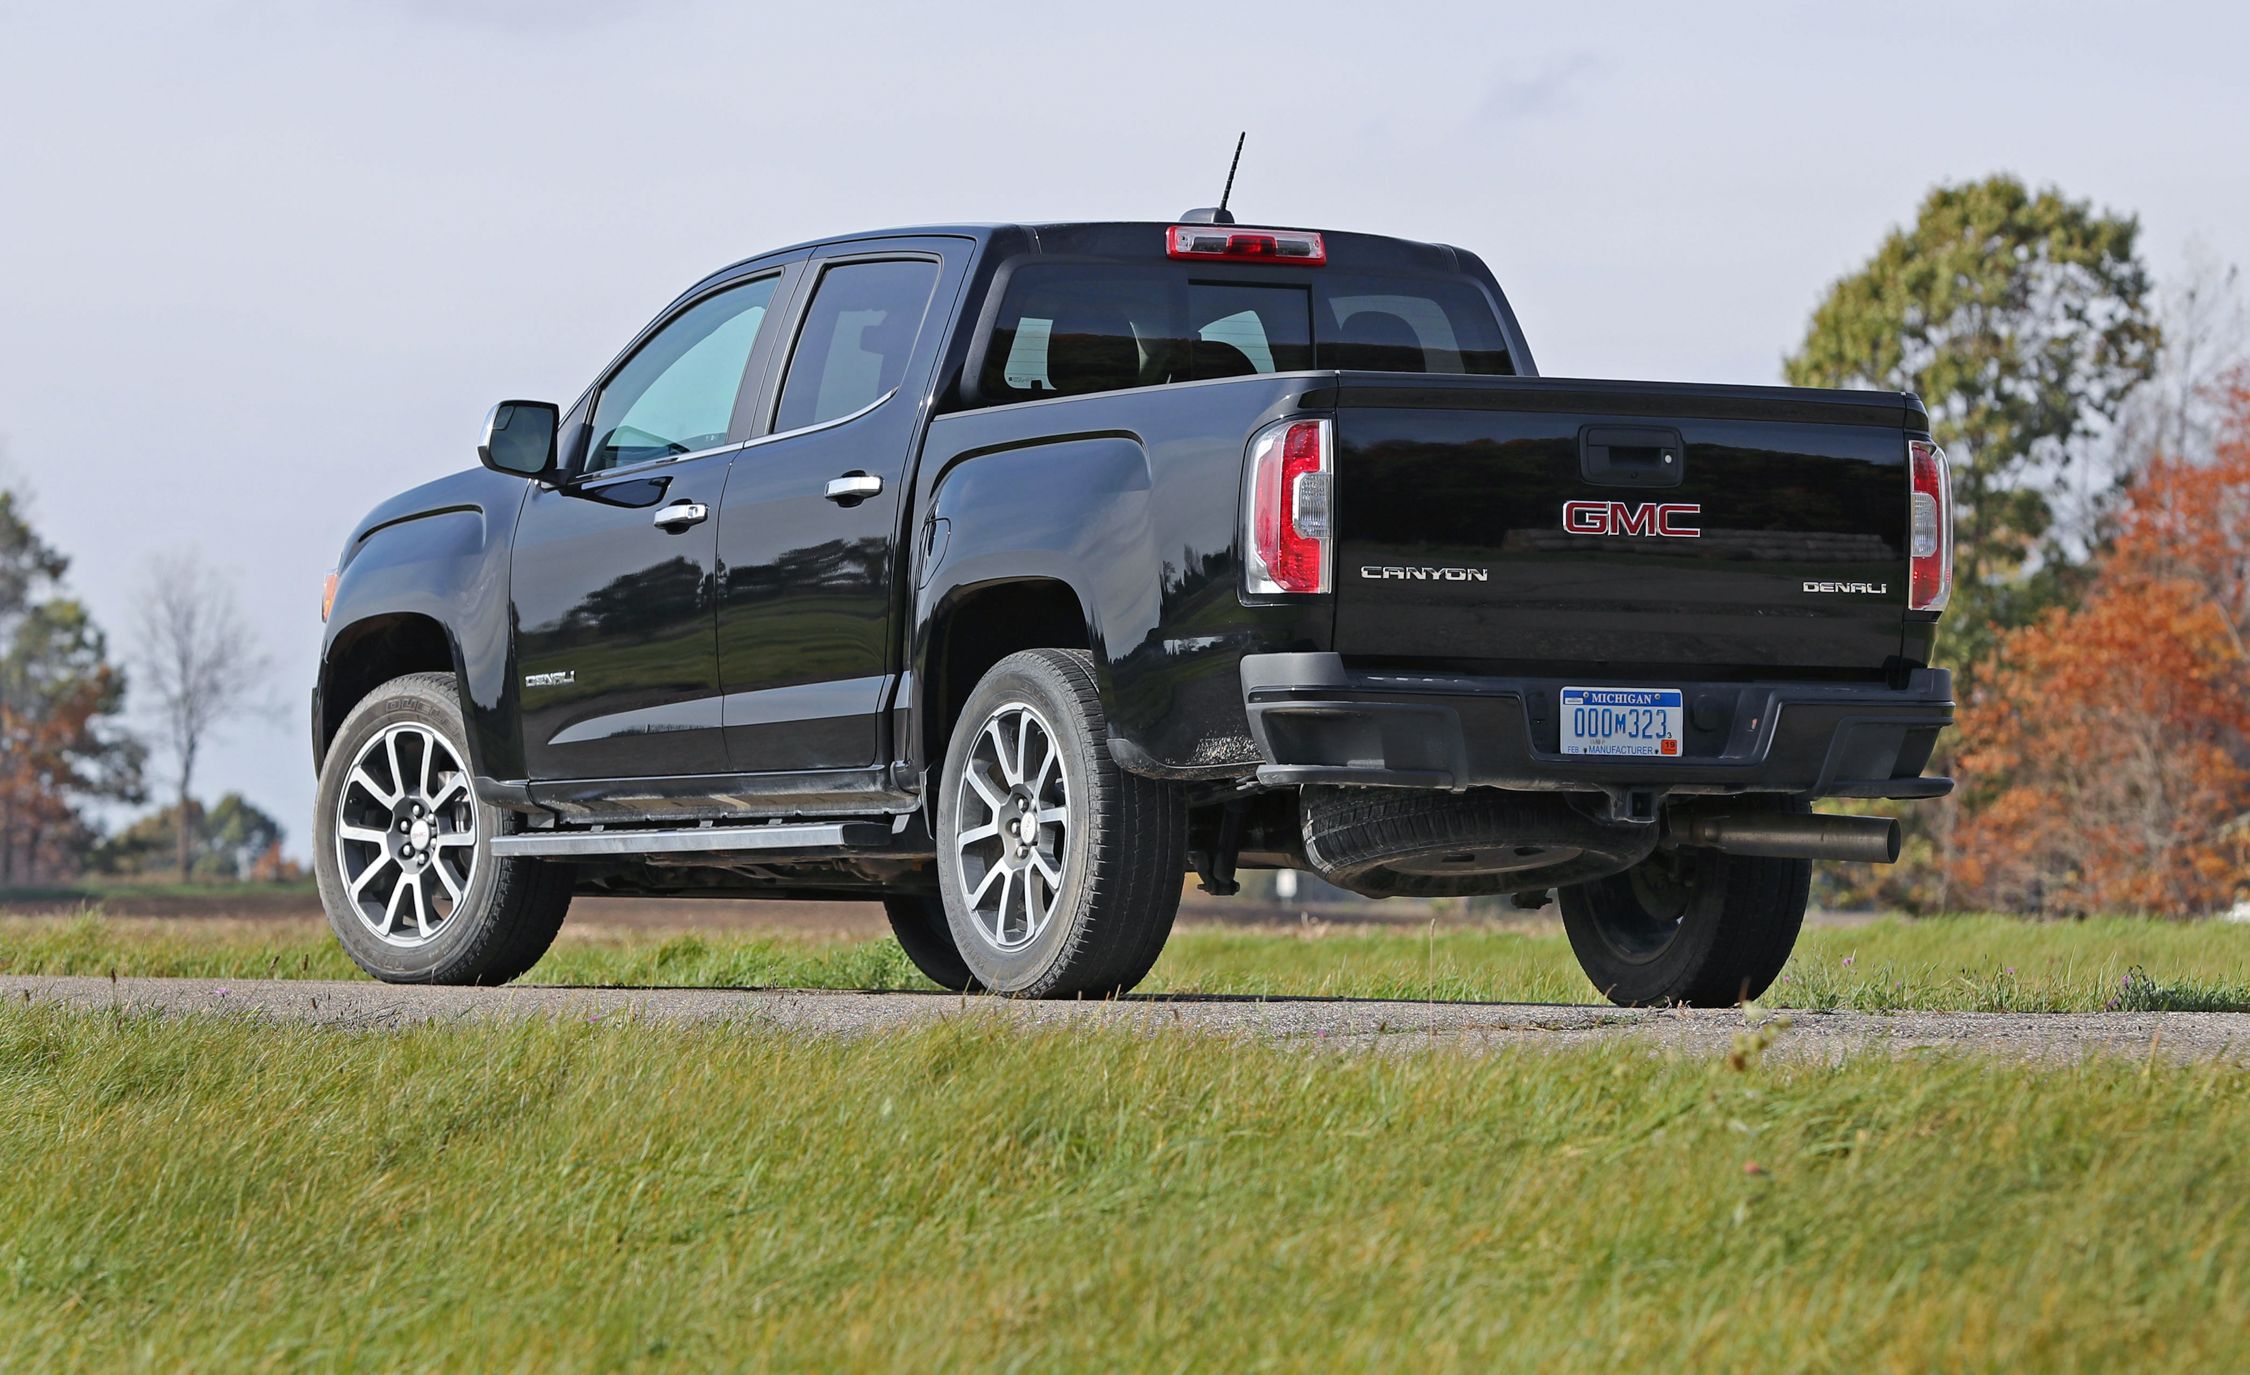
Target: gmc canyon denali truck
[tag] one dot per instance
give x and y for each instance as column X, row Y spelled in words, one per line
column 1009, row 573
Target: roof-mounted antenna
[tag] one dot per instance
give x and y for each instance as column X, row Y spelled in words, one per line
column 1220, row 214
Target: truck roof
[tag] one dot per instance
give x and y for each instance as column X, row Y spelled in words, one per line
column 1124, row 238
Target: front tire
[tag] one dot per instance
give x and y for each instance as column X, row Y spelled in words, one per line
column 1060, row 872
column 402, row 848
column 1688, row 926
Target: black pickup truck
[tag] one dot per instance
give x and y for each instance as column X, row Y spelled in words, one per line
column 1008, row 573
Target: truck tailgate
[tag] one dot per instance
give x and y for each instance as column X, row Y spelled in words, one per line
column 1620, row 528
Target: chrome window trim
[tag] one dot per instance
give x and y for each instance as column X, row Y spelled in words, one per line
column 867, row 409
column 601, row 475
column 650, row 464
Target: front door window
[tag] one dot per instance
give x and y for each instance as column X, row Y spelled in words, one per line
column 676, row 395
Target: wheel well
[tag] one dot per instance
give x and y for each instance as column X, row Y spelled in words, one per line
column 369, row 654
column 981, row 628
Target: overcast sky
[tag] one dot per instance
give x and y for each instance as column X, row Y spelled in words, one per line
column 263, row 263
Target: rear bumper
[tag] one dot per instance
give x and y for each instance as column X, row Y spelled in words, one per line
column 1317, row 721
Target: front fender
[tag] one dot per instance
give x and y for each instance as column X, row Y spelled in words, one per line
column 440, row 553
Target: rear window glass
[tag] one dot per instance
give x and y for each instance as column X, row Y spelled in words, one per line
column 1067, row 329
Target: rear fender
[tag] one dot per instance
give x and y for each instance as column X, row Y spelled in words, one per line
column 1005, row 517
column 1133, row 500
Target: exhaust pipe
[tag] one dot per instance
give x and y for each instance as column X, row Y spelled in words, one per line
column 1790, row 835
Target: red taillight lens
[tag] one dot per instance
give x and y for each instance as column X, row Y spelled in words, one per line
column 1298, row 247
column 327, row 596
column 1286, row 508
column 1929, row 527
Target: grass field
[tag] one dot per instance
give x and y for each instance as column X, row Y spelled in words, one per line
column 218, row 1193
column 1955, row 964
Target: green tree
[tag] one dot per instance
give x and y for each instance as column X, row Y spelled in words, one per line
column 231, row 839
column 62, row 743
column 2023, row 321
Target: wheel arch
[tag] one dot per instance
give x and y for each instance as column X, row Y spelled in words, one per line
column 1051, row 532
column 368, row 653
column 974, row 627
column 423, row 587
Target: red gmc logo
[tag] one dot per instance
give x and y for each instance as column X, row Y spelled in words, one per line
column 1671, row 519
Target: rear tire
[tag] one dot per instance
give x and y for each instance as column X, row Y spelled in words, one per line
column 1688, row 926
column 1060, row 871
column 918, row 921
column 446, row 910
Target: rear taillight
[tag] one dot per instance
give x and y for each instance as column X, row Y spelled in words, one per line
column 1286, row 516
column 1297, row 247
column 1929, row 527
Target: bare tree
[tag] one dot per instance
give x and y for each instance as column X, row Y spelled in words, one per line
column 2177, row 413
column 2206, row 338
column 200, row 662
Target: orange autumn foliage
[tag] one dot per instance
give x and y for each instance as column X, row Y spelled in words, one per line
column 2106, row 764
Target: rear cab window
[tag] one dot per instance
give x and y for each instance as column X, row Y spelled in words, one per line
column 1072, row 328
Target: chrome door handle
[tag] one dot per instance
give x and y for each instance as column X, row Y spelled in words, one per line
column 681, row 514
column 854, row 487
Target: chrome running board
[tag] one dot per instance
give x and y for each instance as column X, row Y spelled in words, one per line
column 694, row 840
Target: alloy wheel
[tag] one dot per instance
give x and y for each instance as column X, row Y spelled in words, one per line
column 406, row 835
column 1013, row 818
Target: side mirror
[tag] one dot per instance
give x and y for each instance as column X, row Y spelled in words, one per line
column 519, row 438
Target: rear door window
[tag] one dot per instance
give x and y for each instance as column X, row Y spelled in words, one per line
column 858, row 333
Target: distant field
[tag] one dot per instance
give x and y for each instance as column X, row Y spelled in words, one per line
column 1954, row 964
column 220, row 1193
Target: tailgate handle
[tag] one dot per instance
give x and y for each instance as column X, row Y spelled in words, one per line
column 1631, row 456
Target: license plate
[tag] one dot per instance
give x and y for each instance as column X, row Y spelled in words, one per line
column 1625, row 721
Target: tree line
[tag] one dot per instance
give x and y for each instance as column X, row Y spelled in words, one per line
column 68, row 747
column 2099, row 437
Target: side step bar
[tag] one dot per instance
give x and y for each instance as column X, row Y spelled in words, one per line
column 698, row 840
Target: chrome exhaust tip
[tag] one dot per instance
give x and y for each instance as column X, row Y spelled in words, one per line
column 1790, row 835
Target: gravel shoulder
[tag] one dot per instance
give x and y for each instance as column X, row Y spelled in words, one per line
column 1314, row 1022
